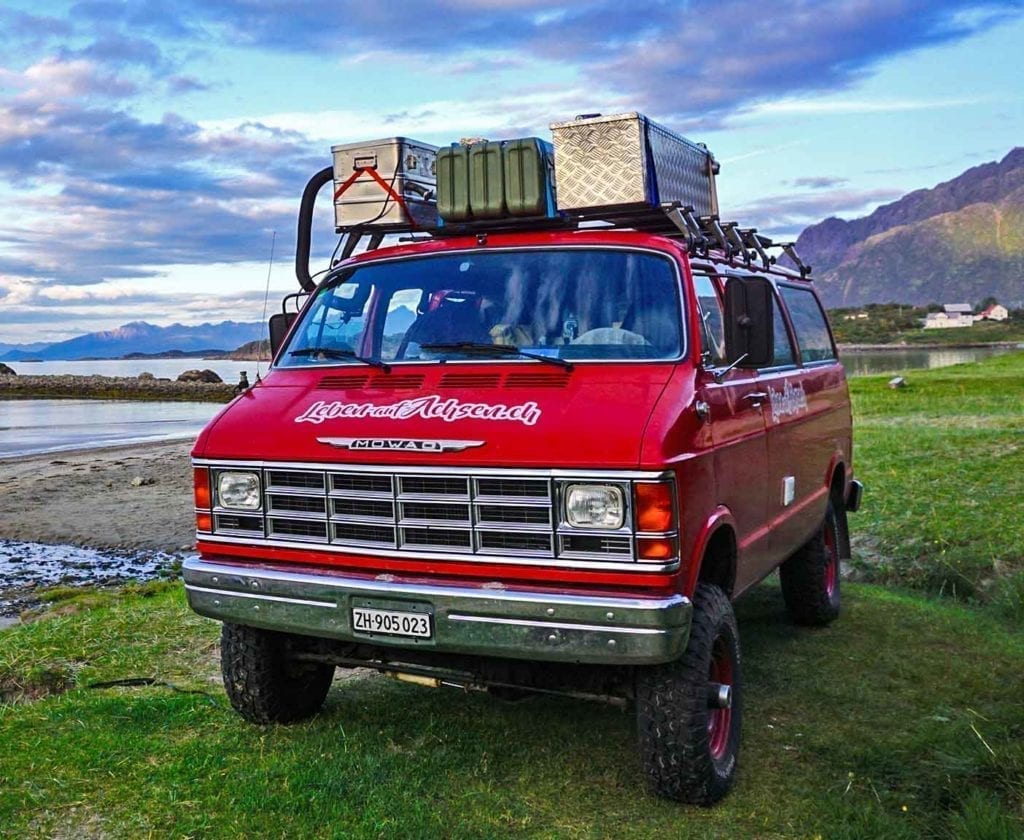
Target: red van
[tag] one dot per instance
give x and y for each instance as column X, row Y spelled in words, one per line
column 523, row 456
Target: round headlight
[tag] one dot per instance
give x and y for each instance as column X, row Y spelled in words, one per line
column 595, row 506
column 238, row 490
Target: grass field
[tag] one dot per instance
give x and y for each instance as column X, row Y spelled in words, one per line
column 901, row 720
column 904, row 719
column 943, row 460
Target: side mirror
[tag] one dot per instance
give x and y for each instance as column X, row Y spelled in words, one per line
column 749, row 339
column 279, row 326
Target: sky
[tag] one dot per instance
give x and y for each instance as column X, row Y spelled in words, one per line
column 152, row 155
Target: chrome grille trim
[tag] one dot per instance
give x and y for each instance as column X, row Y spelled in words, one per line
column 486, row 515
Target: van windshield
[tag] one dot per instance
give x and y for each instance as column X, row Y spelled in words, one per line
column 573, row 304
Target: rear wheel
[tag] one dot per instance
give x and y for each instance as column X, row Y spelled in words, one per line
column 810, row 577
column 689, row 711
column 263, row 683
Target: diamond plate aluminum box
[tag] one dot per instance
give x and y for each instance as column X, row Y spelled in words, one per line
column 403, row 167
column 626, row 162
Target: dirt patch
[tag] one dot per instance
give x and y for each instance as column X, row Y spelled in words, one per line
column 42, row 682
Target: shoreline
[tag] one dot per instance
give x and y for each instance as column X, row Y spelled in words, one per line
column 131, row 503
column 960, row 345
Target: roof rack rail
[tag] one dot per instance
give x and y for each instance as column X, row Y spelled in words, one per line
column 702, row 234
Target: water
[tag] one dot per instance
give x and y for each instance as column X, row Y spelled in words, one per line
column 226, row 369
column 860, row 362
column 29, row 427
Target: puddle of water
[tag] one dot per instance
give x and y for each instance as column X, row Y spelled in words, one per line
column 26, row 566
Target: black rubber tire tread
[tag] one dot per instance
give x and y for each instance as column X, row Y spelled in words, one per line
column 672, row 710
column 262, row 683
column 803, row 576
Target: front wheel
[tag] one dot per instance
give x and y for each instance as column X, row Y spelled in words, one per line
column 263, row 683
column 810, row 577
column 689, row 711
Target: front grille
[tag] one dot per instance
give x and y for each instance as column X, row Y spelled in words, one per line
column 490, row 515
column 427, row 485
column 587, row 544
column 295, row 504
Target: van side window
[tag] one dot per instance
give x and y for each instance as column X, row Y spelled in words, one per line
column 783, row 346
column 809, row 323
column 709, row 307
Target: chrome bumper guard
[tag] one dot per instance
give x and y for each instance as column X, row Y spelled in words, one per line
column 485, row 619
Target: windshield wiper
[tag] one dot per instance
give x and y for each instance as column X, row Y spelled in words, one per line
column 476, row 348
column 334, row 353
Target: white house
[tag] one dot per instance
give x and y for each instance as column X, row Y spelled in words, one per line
column 952, row 315
column 995, row 312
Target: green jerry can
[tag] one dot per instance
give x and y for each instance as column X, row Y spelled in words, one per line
column 528, row 177
column 453, row 183
column 486, row 181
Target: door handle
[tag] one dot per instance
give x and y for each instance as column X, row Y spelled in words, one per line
column 756, row 398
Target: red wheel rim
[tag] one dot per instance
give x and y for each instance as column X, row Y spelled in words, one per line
column 832, row 560
column 720, row 720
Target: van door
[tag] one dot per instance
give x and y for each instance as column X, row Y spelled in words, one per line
column 735, row 413
column 804, row 423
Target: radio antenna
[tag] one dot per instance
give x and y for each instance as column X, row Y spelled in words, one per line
column 266, row 298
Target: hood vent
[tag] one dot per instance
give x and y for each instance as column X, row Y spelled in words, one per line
column 380, row 382
column 536, row 380
column 396, row 382
column 470, row 380
column 342, row 382
column 412, row 381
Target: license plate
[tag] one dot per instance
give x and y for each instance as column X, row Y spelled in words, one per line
column 391, row 622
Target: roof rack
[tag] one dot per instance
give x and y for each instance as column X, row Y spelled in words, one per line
column 702, row 234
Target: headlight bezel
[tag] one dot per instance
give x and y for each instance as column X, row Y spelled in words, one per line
column 613, row 491
column 251, row 496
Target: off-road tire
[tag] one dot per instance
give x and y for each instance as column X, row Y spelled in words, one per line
column 810, row 577
column 683, row 756
column 263, row 684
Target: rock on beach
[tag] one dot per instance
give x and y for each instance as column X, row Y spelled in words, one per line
column 115, row 388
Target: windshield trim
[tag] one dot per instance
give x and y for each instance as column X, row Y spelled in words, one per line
column 338, row 271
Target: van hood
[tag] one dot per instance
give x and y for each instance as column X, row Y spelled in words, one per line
column 516, row 415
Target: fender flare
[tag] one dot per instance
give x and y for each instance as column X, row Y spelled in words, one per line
column 838, row 462
column 720, row 517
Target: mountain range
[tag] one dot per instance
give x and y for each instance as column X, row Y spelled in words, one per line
column 140, row 337
column 960, row 241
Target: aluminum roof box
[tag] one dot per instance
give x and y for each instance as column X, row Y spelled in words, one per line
column 627, row 162
column 388, row 183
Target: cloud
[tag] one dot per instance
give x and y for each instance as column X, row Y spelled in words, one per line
column 686, row 61
column 788, row 214
column 819, row 182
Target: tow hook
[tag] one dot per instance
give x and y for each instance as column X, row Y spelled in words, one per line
column 719, row 696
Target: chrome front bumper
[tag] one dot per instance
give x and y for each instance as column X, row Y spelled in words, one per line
column 485, row 619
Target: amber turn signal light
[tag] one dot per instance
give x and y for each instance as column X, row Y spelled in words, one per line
column 204, row 522
column 201, row 484
column 661, row 549
column 654, row 509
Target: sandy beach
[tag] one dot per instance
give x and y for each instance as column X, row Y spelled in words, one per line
column 88, row 498
column 133, row 504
